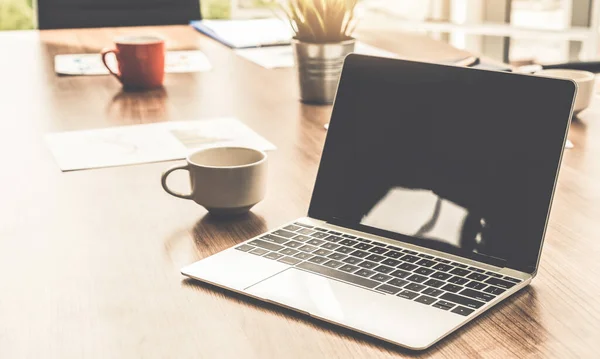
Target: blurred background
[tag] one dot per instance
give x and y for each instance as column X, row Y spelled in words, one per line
column 516, row 31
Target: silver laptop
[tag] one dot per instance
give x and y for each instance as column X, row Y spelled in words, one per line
column 429, row 207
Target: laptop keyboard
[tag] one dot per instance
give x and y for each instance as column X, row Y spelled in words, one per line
column 392, row 270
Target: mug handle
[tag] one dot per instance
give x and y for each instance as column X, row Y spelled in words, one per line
column 106, row 52
column 167, row 189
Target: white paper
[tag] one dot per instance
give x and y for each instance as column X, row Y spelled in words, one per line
column 282, row 56
column 91, row 64
column 127, row 145
column 248, row 33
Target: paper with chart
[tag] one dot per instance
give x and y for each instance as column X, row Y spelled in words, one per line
column 91, row 64
column 273, row 57
column 127, row 145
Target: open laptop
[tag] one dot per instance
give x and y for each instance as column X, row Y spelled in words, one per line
column 430, row 204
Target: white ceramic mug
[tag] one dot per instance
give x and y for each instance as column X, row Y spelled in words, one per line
column 224, row 180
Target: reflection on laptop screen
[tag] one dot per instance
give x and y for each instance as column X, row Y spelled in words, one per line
column 456, row 159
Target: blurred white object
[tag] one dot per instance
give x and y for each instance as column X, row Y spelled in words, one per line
column 569, row 145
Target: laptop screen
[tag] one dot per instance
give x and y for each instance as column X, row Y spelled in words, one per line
column 450, row 158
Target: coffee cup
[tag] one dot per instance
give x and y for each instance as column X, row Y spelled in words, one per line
column 224, row 180
column 140, row 61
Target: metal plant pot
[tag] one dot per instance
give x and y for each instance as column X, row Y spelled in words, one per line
column 319, row 67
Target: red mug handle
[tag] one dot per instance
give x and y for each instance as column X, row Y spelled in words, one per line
column 106, row 52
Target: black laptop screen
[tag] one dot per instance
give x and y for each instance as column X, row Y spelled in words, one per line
column 454, row 159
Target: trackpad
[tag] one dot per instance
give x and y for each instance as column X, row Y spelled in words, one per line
column 404, row 322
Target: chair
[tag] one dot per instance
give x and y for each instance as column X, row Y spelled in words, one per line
column 60, row 14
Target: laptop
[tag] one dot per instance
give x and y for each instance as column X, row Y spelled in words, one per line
column 429, row 208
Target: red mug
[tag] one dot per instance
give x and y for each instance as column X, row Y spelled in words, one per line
column 140, row 59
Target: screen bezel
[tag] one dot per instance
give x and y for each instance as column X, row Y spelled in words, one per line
column 355, row 62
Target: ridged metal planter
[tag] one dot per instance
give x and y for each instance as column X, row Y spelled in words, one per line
column 319, row 67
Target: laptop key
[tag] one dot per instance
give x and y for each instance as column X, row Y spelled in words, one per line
column 332, row 264
column 441, row 275
column 407, row 266
column 244, row 248
column 306, row 231
column 337, row 256
column 459, row 271
column 442, row 267
column 363, row 240
column 292, row 227
column 320, row 235
column 492, row 274
column 475, row 285
column 273, row 255
column 393, row 254
column 284, row 233
column 425, row 299
column 330, row 246
column 478, row 277
column 349, row 236
column 385, row 288
column 423, row 271
column 494, row 290
column 510, row 279
column 434, row 283
column 290, row 260
column 391, row 262
column 462, row 310
column 333, row 273
column 407, row 294
column 410, row 258
column 318, row 260
column 383, row 269
column 293, row 244
column 303, row 225
column 380, row 277
column 348, row 242
column 452, row 288
column 442, row 304
column 365, row 273
column 336, row 233
column 378, row 250
column 400, row 274
column 352, row 260
column 363, row 246
column 474, row 269
column 303, row 255
column 398, row 282
column 344, row 250
column 259, row 251
column 415, row 287
column 348, row 268
column 458, row 280
column 315, row 242
column 302, row 238
column 417, row 278
column 426, row 263
column 288, row 251
column 423, row 255
column 322, row 252
column 307, row 248
column 467, row 302
column 359, row 254
column 274, row 239
column 367, row 264
column 333, row 239
column 410, row 252
column 500, row 283
column 320, row 229
column 266, row 245
column 432, row 292
column 484, row 297
column 459, row 265
column 375, row 258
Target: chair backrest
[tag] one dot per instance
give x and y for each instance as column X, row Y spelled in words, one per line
column 60, row 14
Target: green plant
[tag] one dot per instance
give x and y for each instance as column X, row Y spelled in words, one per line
column 16, row 14
column 321, row 21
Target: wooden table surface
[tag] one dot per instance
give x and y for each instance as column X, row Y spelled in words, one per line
column 89, row 260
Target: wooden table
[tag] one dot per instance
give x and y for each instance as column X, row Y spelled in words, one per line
column 89, row 260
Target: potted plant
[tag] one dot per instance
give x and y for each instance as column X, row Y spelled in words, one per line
column 323, row 37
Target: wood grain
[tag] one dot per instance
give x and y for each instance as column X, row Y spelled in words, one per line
column 89, row 260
